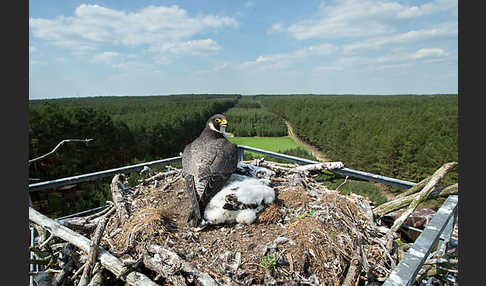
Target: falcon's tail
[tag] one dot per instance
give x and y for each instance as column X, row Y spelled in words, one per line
column 194, row 213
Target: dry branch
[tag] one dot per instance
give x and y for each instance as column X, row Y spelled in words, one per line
column 415, row 188
column 424, row 193
column 87, row 223
column 159, row 176
column 121, row 207
column 97, row 279
column 93, row 251
column 171, row 258
column 405, row 201
column 57, row 147
column 353, row 270
column 109, row 261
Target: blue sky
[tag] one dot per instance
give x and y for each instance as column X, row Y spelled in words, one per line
column 131, row 48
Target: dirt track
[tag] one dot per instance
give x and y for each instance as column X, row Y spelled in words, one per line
column 313, row 150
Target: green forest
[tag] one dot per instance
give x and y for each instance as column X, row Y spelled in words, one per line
column 247, row 119
column 406, row 137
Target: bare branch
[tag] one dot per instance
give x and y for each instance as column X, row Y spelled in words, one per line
column 57, row 147
column 93, row 251
column 423, row 194
column 401, row 202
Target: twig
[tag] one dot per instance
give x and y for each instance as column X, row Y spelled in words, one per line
column 170, row 183
column 97, row 279
column 93, row 251
column 57, row 147
column 46, row 241
column 158, row 176
column 79, row 271
column 87, row 223
column 353, row 269
column 121, row 207
column 345, row 180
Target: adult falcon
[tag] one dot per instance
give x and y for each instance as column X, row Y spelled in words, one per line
column 207, row 163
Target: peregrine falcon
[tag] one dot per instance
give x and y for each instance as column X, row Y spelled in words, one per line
column 207, row 163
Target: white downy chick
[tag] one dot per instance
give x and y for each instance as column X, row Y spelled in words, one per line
column 241, row 199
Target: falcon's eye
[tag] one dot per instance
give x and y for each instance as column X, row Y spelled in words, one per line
column 218, row 120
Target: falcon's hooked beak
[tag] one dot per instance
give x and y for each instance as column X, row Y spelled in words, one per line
column 222, row 126
column 222, row 123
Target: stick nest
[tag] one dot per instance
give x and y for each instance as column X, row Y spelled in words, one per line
column 308, row 235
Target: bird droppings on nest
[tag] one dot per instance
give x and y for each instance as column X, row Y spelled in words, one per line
column 306, row 235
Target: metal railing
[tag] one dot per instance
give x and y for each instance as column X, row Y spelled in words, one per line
column 242, row 148
column 438, row 229
column 342, row 171
column 98, row 175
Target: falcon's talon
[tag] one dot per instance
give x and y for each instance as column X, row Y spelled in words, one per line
column 202, row 225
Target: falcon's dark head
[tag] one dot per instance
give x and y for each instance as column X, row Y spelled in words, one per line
column 217, row 123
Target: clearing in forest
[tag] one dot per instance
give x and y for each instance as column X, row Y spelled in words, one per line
column 275, row 144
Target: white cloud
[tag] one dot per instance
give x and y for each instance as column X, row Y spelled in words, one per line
column 444, row 30
column 362, row 18
column 395, row 59
column 93, row 26
column 428, row 53
column 127, row 62
column 194, row 47
column 215, row 69
column 107, row 58
column 282, row 60
column 275, row 28
column 430, row 8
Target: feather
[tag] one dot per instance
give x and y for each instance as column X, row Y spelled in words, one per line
column 239, row 201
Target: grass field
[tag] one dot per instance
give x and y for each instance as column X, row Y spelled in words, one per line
column 275, row 144
column 283, row 144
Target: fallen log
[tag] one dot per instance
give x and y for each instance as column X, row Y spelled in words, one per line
column 108, row 260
